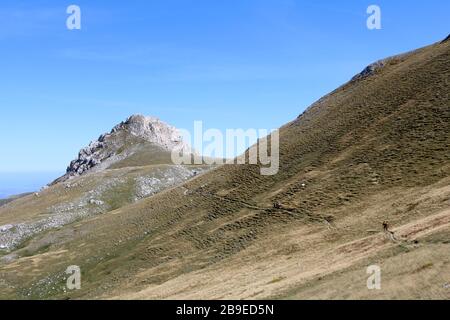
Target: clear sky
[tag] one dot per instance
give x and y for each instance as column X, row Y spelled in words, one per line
column 233, row 64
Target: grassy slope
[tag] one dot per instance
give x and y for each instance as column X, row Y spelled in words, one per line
column 373, row 150
column 12, row 198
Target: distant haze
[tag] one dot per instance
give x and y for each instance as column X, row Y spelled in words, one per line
column 12, row 183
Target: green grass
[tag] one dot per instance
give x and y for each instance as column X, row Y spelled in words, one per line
column 120, row 195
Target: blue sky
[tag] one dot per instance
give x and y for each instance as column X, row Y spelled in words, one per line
column 231, row 64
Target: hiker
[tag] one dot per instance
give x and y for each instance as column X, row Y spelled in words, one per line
column 277, row 205
column 389, row 232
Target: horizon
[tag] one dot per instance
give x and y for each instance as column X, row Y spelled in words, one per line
column 255, row 64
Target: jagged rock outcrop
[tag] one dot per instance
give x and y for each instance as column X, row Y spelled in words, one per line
column 123, row 141
column 370, row 70
column 377, row 66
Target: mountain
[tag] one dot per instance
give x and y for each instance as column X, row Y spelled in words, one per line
column 364, row 180
column 138, row 141
column 128, row 164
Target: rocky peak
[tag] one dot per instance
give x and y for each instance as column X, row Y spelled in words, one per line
column 153, row 130
column 125, row 139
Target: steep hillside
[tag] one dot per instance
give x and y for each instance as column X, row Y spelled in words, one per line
column 374, row 150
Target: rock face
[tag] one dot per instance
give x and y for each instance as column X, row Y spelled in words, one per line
column 87, row 158
column 152, row 130
column 123, row 141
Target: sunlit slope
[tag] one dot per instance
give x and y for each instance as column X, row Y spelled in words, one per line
column 374, row 150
